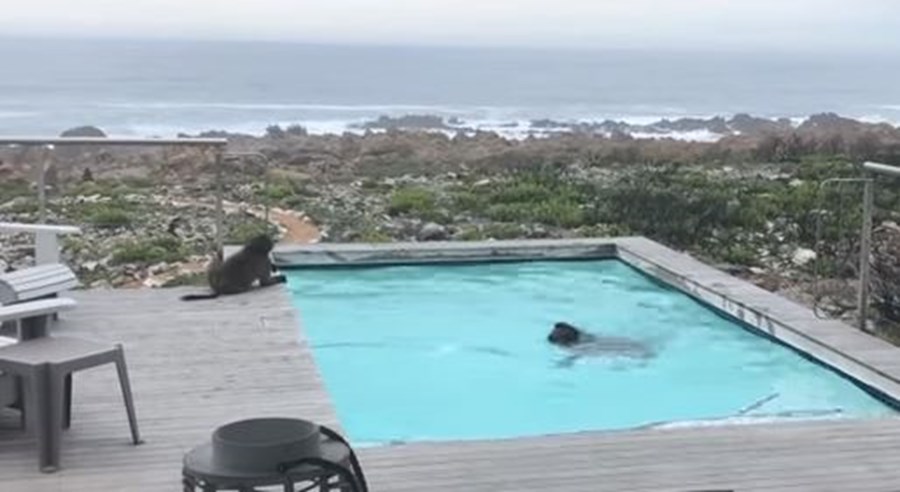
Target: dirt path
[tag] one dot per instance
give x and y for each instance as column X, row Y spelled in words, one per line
column 299, row 229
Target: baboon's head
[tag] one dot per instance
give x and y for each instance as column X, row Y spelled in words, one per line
column 564, row 334
column 261, row 244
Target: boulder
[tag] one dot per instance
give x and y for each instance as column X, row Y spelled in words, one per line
column 433, row 232
column 803, row 256
column 83, row 131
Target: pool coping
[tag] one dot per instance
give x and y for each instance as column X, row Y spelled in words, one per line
column 866, row 358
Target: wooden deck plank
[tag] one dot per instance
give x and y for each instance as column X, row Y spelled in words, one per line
column 193, row 366
column 197, row 365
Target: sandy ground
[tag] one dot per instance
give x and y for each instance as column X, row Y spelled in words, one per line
column 299, row 228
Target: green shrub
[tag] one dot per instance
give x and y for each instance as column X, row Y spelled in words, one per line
column 23, row 205
column 155, row 250
column 740, row 254
column 109, row 216
column 286, row 191
column 528, row 197
column 373, row 235
column 412, row 201
column 13, row 188
column 501, row 231
column 471, row 233
column 107, row 187
column 278, row 191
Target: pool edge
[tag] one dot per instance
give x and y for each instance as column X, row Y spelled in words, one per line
column 860, row 356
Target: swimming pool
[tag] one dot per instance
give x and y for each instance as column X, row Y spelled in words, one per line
column 440, row 352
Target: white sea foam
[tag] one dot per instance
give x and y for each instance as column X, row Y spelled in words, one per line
column 521, row 130
column 877, row 119
column 690, row 136
column 255, row 128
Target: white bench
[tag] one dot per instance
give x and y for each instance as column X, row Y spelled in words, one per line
column 49, row 277
column 36, row 282
column 46, row 241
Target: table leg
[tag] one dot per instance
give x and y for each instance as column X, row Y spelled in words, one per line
column 67, row 403
column 54, row 416
column 35, row 327
column 122, row 369
column 38, row 405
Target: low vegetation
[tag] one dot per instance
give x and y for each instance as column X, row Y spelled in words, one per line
column 148, row 252
column 746, row 203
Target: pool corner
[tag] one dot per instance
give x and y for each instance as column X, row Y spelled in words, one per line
column 865, row 358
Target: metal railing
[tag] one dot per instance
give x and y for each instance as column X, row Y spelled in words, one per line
column 865, row 244
column 862, row 301
column 217, row 144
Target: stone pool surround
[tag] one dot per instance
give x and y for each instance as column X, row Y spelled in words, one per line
column 865, row 358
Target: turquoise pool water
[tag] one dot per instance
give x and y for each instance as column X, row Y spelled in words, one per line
column 418, row 353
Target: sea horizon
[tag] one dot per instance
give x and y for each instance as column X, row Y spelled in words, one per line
column 164, row 88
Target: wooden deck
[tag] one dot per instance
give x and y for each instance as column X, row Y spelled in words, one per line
column 197, row 365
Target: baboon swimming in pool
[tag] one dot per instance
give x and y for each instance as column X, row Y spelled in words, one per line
column 583, row 344
column 238, row 273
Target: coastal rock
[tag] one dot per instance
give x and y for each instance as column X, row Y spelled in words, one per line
column 537, row 232
column 803, row 256
column 830, row 123
column 83, row 131
column 750, row 125
column 433, row 232
column 407, row 122
column 714, row 125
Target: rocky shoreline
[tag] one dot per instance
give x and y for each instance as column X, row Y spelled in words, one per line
column 709, row 129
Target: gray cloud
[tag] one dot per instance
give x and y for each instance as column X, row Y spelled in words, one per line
column 803, row 24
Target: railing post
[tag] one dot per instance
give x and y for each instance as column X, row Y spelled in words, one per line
column 865, row 247
column 220, row 211
column 42, row 184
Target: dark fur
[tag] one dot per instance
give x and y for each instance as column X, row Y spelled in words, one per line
column 580, row 343
column 238, row 273
column 565, row 335
column 173, row 226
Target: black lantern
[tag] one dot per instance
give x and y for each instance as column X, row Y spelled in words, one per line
column 296, row 455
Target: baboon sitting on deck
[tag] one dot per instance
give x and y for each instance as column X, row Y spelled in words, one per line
column 238, row 273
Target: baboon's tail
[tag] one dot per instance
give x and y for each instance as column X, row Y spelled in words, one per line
column 198, row 297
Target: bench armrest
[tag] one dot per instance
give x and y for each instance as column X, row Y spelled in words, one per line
column 46, row 238
column 56, row 229
column 33, row 309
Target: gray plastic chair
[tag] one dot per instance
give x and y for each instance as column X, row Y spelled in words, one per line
column 44, row 364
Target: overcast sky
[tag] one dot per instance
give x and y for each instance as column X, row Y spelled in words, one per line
column 871, row 25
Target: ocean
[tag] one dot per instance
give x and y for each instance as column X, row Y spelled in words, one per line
column 162, row 88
